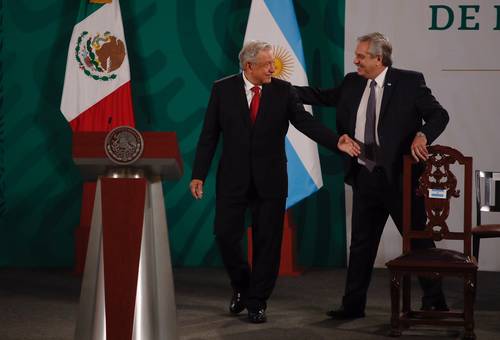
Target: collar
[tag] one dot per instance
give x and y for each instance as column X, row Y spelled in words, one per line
column 381, row 78
column 248, row 84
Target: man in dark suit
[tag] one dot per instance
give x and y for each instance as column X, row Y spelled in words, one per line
column 252, row 111
column 390, row 112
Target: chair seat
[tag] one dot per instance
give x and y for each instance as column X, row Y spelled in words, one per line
column 487, row 230
column 433, row 258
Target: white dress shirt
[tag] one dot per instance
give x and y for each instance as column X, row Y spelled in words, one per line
column 359, row 133
column 248, row 89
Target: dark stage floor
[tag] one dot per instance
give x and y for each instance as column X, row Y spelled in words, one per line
column 41, row 304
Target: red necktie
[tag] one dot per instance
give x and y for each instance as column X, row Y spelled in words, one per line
column 254, row 104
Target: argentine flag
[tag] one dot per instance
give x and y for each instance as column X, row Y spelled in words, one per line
column 274, row 21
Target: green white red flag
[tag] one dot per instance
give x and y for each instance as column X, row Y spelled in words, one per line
column 97, row 93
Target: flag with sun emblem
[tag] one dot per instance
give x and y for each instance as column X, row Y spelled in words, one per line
column 274, row 21
column 96, row 94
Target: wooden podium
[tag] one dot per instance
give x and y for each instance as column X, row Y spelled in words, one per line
column 127, row 288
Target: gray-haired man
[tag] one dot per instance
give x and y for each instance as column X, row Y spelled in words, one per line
column 252, row 111
column 392, row 112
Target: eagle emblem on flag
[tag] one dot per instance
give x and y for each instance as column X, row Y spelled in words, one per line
column 99, row 55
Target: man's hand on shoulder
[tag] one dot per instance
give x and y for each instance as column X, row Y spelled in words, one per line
column 348, row 145
column 196, row 187
column 419, row 147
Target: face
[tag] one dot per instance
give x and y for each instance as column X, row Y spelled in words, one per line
column 369, row 66
column 260, row 71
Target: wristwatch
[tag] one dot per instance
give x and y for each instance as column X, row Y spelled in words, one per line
column 420, row 134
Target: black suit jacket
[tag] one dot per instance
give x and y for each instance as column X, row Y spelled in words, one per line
column 407, row 107
column 253, row 153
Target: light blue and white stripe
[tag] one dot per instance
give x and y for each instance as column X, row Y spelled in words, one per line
column 274, row 21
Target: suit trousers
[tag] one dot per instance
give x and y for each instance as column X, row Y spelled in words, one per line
column 374, row 199
column 255, row 284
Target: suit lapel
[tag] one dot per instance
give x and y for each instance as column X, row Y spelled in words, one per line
column 243, row 102
column 265, row 102
column 358, row 90
column 390, row 81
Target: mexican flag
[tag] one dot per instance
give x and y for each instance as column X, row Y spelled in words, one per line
column 97, row 94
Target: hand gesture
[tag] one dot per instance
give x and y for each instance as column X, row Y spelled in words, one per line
column 196, row 187
column 348, row 145
column 419, row 147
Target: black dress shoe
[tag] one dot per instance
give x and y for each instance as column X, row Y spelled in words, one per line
column 236, row 305
column 257, row 316
column 343, row 314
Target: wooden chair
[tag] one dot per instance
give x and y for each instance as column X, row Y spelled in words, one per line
column 487, row 200
column 438, row 185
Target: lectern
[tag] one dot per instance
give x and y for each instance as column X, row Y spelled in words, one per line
column 127, row 288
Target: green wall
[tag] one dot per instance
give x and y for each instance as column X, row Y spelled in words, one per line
column 176, row 50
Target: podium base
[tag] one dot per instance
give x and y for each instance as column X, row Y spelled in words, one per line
column 154, row 314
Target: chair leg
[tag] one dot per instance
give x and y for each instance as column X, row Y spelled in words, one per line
column 395, row 288
column 475, row 247
column 469, row 297
column 406, row 294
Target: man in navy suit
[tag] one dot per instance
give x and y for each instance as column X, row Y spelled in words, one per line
column 390, row 112
column 251, row 111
